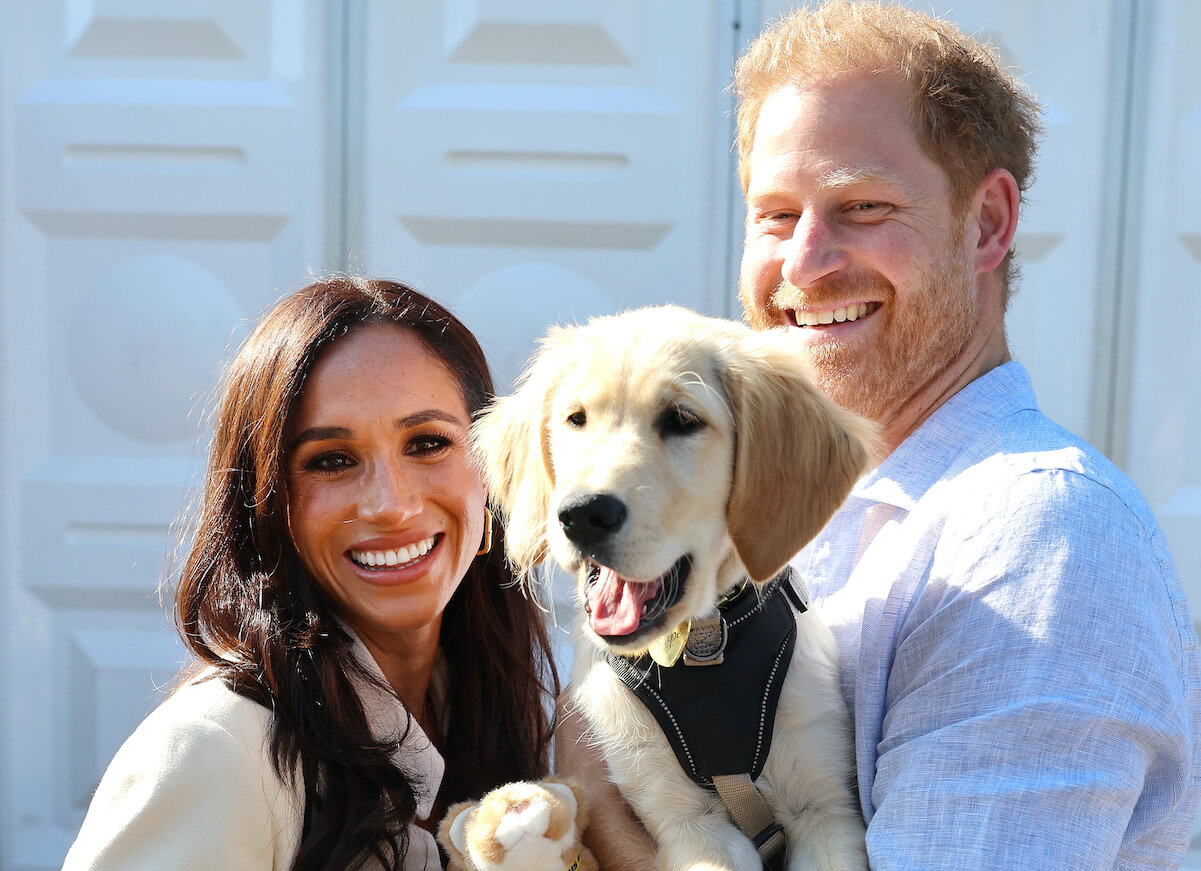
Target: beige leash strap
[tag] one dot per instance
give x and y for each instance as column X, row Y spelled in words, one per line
column 749, row 811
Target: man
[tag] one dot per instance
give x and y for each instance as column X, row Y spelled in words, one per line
column 1016, row 650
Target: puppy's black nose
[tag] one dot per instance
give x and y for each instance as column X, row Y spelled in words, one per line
column 588, row 519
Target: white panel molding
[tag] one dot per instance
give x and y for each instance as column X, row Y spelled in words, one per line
column 534, row 159
column 163, row 179
column 1124, row 143
column 100, row 665
column 8, row 500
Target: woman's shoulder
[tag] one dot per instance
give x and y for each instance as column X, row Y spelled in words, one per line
column 196, row 771
column 205, row 706
column 202, row 728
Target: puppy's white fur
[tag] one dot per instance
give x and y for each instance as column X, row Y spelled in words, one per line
column 719, row 447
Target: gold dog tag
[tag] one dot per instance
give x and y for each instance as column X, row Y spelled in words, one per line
column 666, row 650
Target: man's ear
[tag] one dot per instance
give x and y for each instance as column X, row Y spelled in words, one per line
column 995, row 212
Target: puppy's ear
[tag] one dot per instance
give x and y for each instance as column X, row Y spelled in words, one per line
column 512, row 450
column 797, row 453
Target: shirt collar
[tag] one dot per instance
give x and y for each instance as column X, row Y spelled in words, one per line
column 390, row 721
column 923, row 458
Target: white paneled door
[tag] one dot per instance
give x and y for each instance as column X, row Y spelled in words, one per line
column 162, row 179
column 1158, row 316
column 169, row 169
column 534, row 161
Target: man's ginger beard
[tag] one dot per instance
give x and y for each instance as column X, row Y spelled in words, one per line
column 915, row 342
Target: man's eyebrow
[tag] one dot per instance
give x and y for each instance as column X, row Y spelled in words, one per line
column 834, row 180
column 846, row 177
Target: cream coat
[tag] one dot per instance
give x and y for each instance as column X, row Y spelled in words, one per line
column 194, row 788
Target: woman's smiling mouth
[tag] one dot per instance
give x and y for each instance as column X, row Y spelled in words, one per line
column 398, row 558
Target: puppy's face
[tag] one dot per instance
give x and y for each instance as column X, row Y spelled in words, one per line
column 640, row 440
column 662, row 456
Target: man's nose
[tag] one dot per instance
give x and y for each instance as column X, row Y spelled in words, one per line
column 814, row 251
column 389, row 495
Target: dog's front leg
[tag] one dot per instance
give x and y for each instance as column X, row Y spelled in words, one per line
column 810, row 767
column 701, row 838
column 688, row 823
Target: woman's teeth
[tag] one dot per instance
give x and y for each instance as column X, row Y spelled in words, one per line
column 838, row 315
column 390, row 558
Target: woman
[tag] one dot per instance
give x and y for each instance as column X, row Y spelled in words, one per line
column 345, row 596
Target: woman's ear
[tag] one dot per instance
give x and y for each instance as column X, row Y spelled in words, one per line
column 995, row 212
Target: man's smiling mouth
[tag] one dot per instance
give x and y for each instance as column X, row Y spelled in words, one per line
column 853, row 312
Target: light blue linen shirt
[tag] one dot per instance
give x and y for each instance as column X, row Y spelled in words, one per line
column 1017, row 652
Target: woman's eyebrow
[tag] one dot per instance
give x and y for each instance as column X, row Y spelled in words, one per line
column 321, row 433
column 420, row 417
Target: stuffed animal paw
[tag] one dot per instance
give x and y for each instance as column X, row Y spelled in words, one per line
column 519, row 827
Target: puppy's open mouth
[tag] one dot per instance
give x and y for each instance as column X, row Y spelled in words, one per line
column 622, row 609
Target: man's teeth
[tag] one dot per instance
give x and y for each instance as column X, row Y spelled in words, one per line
column 838, row 315
column 399, row 557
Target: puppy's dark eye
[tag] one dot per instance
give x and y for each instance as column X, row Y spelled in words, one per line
column 577, row 419
column 677, row 421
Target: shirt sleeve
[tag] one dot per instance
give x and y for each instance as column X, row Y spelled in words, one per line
column 184, row 794
column 1037, row 713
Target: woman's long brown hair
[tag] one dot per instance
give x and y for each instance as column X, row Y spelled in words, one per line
column 245, row 606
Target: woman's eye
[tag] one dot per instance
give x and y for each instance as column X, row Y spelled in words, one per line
column 329, row 463
column 428, row 445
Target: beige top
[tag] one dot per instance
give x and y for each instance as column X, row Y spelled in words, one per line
column 194, row 788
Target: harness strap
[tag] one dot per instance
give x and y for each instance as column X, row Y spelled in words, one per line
column 719, row 719
column 749, row 811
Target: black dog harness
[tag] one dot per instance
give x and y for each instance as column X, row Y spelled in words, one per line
column 719, row 718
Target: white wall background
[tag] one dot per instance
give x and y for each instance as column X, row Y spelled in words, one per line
column 168, row 169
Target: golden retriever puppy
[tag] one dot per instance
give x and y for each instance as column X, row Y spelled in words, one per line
column 675, row 463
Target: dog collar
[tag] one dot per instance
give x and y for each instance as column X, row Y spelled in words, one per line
column 575, row 866
column 719, row 719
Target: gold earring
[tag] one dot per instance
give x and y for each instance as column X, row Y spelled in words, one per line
column 487, row 546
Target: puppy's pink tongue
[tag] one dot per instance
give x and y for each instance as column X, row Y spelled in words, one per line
column 616, row 603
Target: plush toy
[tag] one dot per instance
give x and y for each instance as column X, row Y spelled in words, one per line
column 519, row 827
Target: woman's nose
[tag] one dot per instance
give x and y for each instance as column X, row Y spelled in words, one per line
column 389, row 495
